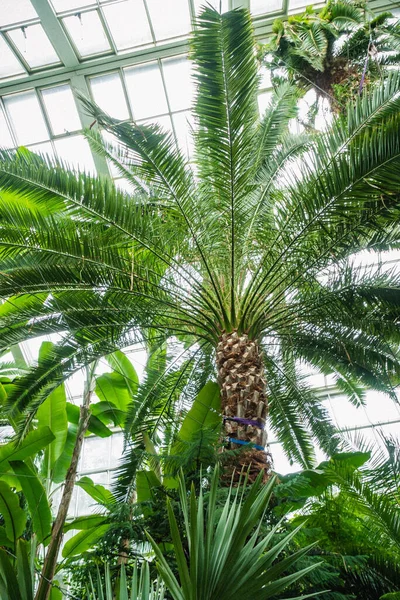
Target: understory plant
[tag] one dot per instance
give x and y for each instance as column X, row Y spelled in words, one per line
column 140, row 586
column 222, row 554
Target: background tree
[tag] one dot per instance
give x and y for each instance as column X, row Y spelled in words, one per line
column 338, row 51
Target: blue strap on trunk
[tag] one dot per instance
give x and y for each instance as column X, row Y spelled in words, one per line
column 244, row 443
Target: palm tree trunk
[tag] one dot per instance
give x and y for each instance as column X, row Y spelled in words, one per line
column 244, row 400
column 50, row 561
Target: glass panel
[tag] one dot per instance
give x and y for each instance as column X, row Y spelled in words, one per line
column 16, row 11
column 381, row 408
column 345, row 414
column 169, row 18
column 26, row 117
column 61, row 5
column 87, row 33
column 184, row 124
column 117, row 447
column 282, row 464
column 264, row 100
column 146, row 90
column 9, row 64
column 124, row 185
column 165, row 123
column 75, row 151
column 34, row 46
column 44, row 148
column 95, row 454
column 109, row 94
column 6, row 140
column 298, row 4
column 261, row 7
column 61, row 109
column 128, row 24
column 222, row 6
column 178, row 81
column 265, row 78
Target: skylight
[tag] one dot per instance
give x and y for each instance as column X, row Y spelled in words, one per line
column 9, row 64
column 34, row 46
column 16, row 11
column 61, row 109
column 109, row 94
column 128, row 24
column 63, row 5
column 260, row 7
column 170, row 18
column 87, row 33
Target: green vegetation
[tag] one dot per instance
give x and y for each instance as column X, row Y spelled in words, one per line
column 339, row 52
column 233, row 271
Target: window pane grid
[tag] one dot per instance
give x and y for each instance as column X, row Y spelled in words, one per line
column 33, row 46
column 140, row 93
column 47, row 121
column 10, row 65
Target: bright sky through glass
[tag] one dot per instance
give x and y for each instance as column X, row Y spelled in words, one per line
column 34, row 46
column 16, row 11
column 87, row 33
column 128, row 23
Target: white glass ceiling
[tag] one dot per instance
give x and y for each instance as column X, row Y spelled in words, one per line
column 33, row 46
column 16, row 11
column 34, row 39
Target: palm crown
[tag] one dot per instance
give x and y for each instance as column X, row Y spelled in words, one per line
column 243, row 256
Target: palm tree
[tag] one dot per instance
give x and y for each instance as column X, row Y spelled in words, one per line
column 243, row 258
column 337, row 51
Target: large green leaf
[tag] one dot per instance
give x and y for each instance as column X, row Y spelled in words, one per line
column 84, row 522
column 53, row 413
column 113, row 387
column 4, row 541
column 13, row 515
column 146, row 481
column 83, row 541
column 204, row 413
column 62, row 464
column 107, row 412
column 25, row 570
column 95, row 426
column 123, row 366
column 96, row 491
column 36, row 498
column 34, row 442
column 9, row 588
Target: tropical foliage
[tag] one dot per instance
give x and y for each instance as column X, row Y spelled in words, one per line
column 225, row 556
column 338, row 51
column 250, row 258
column 234, row 270
column 141, row 587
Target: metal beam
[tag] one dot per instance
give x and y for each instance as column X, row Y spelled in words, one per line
column 55, row 33
column 78, row 83
column 95, row 66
